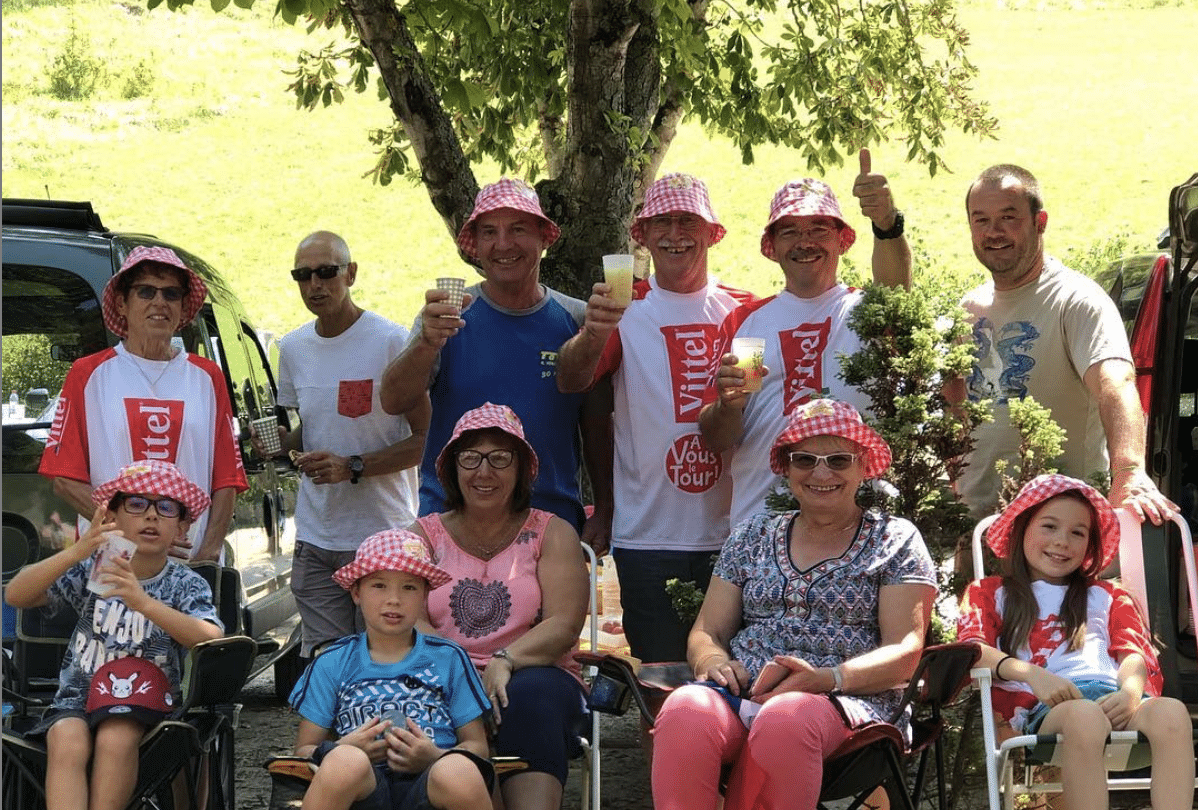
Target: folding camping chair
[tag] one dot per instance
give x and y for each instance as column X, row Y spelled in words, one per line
column 198, row 735
column 1127, row 752
column 290, row 775
column 874, row 756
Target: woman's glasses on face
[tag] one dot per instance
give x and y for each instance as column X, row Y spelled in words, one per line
column 148, row 292
column 835, row 461
column 325, row 271
column 165, row 507
column 498, row 459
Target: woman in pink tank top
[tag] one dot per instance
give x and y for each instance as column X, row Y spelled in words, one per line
column 518, row 599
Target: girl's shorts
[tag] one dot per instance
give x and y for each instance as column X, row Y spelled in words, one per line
column 1091, row 690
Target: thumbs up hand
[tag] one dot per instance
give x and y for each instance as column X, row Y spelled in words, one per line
column 874, row 193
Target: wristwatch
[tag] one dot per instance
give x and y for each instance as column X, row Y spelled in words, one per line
column 894, row 231
column 356, row 466
column 505, row 655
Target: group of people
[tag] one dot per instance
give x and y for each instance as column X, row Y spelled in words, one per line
column 437, row 569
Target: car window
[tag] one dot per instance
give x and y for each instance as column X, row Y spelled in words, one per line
column 51, row 319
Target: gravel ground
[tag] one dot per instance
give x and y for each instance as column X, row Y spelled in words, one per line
column 267, row 728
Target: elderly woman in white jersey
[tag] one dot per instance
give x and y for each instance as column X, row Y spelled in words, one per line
column 147, row 398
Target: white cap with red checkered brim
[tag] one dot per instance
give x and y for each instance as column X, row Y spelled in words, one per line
column 392, row 550
column 489, row 415
column 197, row 290
column 159, row 478
column 828, row 417
column 129, row 687
column 674, row 194
column 505, row 193
column 805, row 198
column 1039, row 490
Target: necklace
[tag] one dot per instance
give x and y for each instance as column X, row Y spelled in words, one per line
column 141, row 363
column 506, row 533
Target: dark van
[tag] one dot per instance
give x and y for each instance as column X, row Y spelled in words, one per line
column 57, row 258
column 1155, row 294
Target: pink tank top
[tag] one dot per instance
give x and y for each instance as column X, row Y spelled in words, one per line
column 490, row 603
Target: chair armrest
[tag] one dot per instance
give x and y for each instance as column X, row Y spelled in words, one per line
column 216, row 670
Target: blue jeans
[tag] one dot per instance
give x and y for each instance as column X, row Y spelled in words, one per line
column 651, row 625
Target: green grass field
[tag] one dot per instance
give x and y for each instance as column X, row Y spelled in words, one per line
column 1098, row 103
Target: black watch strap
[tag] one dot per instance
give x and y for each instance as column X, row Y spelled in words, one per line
column 356, row 466
column 894, row 231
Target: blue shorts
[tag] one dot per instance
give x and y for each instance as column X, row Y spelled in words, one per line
column 405, row 791
column 655, row 633
column 1091, row 690
column 542, row 722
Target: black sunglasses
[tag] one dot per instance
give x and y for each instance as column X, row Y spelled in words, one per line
column 165, row 507
column 325, row 271
column 148, row 292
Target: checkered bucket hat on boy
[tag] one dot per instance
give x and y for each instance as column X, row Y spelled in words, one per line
column 129, row 687
column 805, row 198
column 676, row 193
column 1039, row 490
column 828, row 417
column 392, row 550
column 159, row 478
column 197, row 291
column 489, row 415
column 505, row 193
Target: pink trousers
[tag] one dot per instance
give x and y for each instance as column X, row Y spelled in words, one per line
column 777, row 764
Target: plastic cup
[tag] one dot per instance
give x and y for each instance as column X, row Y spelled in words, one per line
column 617, row 271
column 455, row 287
column 267, row 431
column 115, row 546
column 750, row 355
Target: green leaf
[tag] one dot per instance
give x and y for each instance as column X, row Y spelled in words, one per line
column 219, row 5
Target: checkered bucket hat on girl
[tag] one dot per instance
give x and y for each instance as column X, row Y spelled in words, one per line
column 505, row 193
column 197, row 291
column 392, row 550
column 129, row 687
column 805, row 198
column 1039, row 490
column 489, row 415
column 828, row 417
column 676, row 193
column 155, row 478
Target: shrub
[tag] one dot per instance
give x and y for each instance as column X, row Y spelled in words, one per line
column 139, row 82
column 75, row 73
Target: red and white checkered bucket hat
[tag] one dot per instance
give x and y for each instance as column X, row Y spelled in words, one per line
column 197, row 290
column 159, row 478
column 1039, row 490
column 805, row 198
column 676, row 193
column 505, row 193
column 129, row 687
column 392, row 550
column 489, row 415
column 828, row 417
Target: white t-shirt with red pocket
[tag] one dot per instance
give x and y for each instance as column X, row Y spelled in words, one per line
column 671, row 492
column 334, row 382
column 804, row 340
column 116, row 408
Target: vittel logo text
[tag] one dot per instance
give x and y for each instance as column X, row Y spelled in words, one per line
column 691, row 351
column 803, row 358
column 154, row 427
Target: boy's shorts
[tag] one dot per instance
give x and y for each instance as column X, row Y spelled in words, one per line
column 1091, row 690
column 402, row 791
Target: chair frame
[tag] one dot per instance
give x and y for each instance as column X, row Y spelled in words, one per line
column 1126, row 751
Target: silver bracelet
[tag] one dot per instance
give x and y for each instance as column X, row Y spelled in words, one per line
column 837, row 680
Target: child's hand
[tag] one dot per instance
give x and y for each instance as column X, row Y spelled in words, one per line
column 1052, row 689
column 409, row 750
column 369, row 737
column 93, row 538
column 1118, row 707
column 118, row 573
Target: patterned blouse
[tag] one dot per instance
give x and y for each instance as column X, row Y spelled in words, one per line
column 828, row 613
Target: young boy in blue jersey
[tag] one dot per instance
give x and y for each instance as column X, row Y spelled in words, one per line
column 392, row 717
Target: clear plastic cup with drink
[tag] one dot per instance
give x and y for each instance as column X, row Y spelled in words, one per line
column 617, row 272
column 266, row 429
column 116, row 546
column 750, row 356
column 456, row 287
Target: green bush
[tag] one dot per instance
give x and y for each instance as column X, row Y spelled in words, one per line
column 75, row 74
column 139, row 82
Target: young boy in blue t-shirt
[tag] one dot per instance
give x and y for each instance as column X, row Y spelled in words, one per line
column 392, row 717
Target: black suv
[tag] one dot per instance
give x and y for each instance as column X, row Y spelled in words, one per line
column 57, row 258
column 1155, row 294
